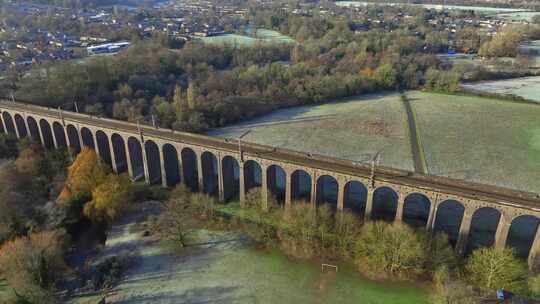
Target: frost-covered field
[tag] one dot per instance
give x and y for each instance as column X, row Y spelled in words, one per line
column 261, row 36
column 478, row 139
column 479, row 9
column 517, row 16
column 527, row 87
column 355, row 129
column 223, row 267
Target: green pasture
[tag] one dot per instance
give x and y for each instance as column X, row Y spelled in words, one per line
column 472, row 138
column 480, row 139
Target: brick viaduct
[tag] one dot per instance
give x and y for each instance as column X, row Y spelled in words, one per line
column 471, row 214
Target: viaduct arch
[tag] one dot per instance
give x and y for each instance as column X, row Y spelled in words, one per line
column 472, row 215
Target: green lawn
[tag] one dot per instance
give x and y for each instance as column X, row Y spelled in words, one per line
column 477, row 139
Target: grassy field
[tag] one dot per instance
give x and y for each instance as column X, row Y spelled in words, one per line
column 517, row 16
column 527, row 87
column 354, row 129
column 223, row 267
column 477, row 139
column 262, row 36
column 477, row 9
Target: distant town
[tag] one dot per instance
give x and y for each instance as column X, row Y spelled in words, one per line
column 109, row 29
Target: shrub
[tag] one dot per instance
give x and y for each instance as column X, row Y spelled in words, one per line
column 29, row 161
column 31, row 266
column 8, row 146
column 394, row 249
column 346, row 230
column 254, row 199
column 176, row 221
column 449, row 291
column 108, row 272
column 534, row 285
column 495, row 268
column 109, row 199
column 439, row 252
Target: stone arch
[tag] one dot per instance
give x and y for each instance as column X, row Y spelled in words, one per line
column 120, row 157
column 103, row 147
column 301, row 186
column 87, row 138
column 385, row 203
column 231, row 178
column 21, row 126
column 210, row 173
column 46, row 131
column 483, row 228
column 276, row 179
column 327, row 191
column 136, row 157
column 10, row 126
column 153, row 162
column 448, row 219
column 416, row 210
column 59, row 134
column 252, row 175
column 355, row 198
column 73, row 136
column 172, row 165
column 33, row 129
column 189, row 169
column 522, row 233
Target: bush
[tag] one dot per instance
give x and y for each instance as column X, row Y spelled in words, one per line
column 495, row 268
column 394, row 249
column 346, row 230
column 254, row 199
column 176, row 221
column 32, row 265
column 8, row 146
column 108, row 272
column 439, row 252
column 534, row 285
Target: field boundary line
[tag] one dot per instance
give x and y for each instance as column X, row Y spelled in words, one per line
column 417, row 148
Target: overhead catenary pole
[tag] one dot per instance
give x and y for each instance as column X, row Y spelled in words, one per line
column 240, row 145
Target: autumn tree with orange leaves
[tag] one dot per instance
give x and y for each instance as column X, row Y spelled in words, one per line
column 109, row 199
column 86, row 173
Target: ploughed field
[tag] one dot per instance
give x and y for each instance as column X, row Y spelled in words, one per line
column 472, row 138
